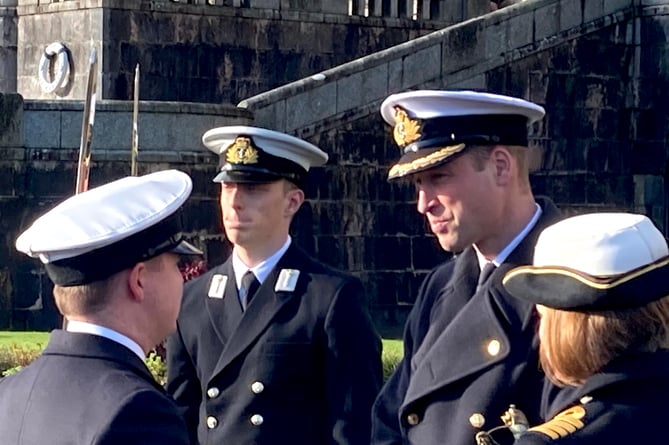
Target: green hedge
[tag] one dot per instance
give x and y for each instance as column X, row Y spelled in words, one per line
column 13, row 356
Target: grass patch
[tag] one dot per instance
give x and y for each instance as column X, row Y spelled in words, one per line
column 23, row 339
column 393, row 351
column 20, row 348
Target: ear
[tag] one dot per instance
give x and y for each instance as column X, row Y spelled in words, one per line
column 503, row 161
column 294, row 199
column 137, row 281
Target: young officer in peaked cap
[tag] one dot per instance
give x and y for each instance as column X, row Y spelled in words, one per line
column 469, row 347
column 272, row 346
column 601, row 288
column 112, row 253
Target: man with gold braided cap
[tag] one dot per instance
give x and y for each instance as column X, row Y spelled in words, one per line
column 470, row 348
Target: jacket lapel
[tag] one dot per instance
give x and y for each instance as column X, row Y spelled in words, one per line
column 474, row 324
column 262, row 309
column 463, row 316
column 224, row 313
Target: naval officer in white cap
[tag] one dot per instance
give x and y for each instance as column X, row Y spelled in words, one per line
column 272, row 346
column 112, row 254
column 600, row 282
column 469, row 347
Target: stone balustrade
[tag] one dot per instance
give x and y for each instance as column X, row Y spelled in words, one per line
column 445, row 10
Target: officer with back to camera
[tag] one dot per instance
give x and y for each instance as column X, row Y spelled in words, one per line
column 112, row 253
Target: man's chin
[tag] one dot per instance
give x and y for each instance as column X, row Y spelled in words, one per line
column 449, row 244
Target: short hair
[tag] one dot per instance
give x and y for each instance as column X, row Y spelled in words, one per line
column 289, row 185
column 84, row 299
column 481, row 153
column 576, row 345
column 92, row 298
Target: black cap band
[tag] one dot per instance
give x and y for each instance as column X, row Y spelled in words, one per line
column 488, row 129
column 104, row 262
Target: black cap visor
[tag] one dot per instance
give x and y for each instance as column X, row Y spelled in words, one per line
column 568, row 289
column 253, row 175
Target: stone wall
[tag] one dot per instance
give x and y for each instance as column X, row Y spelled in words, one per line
column 599, row 68
column 195, row 52
column 8, row 45
column 39, row 144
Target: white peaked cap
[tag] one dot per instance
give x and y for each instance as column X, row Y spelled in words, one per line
column 598, row 261
column 429, row 104
column 116, row 225
column 601, row 244
column 256, row 155
column 273, row 142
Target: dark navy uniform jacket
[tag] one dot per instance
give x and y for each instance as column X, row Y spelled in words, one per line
column 297, row 367
column 625, row 404
column 466, row 352
column 87, row 389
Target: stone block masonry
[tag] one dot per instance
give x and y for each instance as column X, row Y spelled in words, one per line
column 599, row 69
column 39, row 143
column 196, row 51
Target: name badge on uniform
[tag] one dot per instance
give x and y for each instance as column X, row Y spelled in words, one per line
column 287, row 280
column 217, row 286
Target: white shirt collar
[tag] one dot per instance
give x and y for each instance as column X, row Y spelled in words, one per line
column 262, row 270
column 504, row 254
column 94, row 329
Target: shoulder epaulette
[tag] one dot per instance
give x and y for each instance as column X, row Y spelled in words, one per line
column 564, row 424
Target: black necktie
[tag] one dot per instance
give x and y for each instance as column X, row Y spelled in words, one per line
column 485, row 273
column 250, row 285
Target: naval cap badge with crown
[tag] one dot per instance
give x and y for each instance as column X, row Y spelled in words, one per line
column 258, row 155
column 431, row 126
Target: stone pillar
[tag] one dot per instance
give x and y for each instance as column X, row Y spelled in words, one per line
column 394, row 8
column 377, row 11
column 8, row 38
column 11, row 120
column 408, row 8
column 11, row 143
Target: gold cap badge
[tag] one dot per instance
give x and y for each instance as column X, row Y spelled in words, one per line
column 242, row 151
column 406, row 130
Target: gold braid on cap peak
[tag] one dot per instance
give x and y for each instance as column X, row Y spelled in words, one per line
column 439, row 155
column 242, row 151
column 406, row 130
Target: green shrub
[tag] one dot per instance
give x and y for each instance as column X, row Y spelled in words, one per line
column 390, row 358
column 13, row 357
column 157, row 366
column 11, row 371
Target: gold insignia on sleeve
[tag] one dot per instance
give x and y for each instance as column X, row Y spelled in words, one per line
column 406, row 130
column 242, row 151
column 564, row 424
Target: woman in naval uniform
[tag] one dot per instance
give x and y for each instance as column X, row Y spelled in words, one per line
column 600, row 282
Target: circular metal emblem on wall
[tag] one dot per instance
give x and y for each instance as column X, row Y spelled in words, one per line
column 54, row 79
